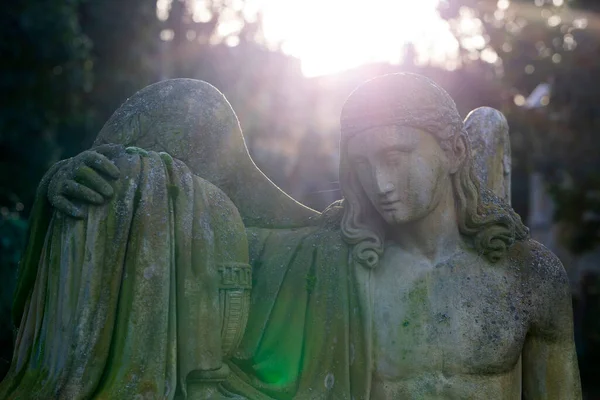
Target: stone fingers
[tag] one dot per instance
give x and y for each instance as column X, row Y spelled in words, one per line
column 74, row 190
column 62, row 204
column 98, row 160
column 88, row 177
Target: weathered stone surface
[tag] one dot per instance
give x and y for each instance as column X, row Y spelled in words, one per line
column 131, row 297
column 420, row 283
column 193, row 122
column 490, row 144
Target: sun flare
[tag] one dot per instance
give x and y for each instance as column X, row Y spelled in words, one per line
column 330, row 36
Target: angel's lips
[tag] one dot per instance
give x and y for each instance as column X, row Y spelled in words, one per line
column 388, row 205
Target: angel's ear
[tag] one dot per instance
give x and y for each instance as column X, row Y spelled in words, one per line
column 459, row 152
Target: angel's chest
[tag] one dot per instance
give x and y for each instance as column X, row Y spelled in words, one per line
column 445, row 320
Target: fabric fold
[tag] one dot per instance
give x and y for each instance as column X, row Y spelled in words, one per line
column 306, row 338
column 125, row 302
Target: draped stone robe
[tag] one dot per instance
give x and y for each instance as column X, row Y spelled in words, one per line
column 124, row 303
column 308, row 336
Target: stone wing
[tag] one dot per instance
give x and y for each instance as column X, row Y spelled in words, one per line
column 487, row 129
column 193, row 122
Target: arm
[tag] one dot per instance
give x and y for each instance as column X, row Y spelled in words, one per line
column 550, row 368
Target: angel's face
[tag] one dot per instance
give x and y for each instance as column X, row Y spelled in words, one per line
column 403, row 171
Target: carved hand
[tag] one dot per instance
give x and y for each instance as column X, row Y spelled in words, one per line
column 85, row 179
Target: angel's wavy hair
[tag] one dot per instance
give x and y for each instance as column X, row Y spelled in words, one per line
column 488, row 224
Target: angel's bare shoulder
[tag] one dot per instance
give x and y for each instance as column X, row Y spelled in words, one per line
column 546, row 285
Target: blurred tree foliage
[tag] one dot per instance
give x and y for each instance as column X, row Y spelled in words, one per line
column 44, row 75
column 124, row 55
column 12, row 241
column 555, row 42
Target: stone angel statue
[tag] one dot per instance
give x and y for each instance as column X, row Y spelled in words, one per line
column 162, row 263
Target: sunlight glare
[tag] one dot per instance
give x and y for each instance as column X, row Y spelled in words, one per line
column 329, row 36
